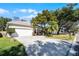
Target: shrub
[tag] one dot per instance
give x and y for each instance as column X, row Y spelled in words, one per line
column 18, row 50
column 11, row 30
column 1, row 35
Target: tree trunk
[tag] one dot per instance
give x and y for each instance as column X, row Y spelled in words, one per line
column 73, row 33
column 58, row 31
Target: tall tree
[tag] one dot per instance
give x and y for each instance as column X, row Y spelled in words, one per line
column 65, row 17
column 45, row 21
column 3, row 22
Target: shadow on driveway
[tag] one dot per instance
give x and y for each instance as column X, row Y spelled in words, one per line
column 49, row 48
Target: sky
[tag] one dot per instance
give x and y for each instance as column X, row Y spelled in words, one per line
column 27, row 10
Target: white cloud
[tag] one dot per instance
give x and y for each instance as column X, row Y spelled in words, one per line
column 27, row 17
column 3, row 11
column 32, row 11
column 29, row 11
column 22, row 10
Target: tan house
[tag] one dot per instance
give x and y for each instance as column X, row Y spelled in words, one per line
column 22, row 28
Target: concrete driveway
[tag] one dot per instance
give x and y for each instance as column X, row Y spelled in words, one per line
column 42, row 46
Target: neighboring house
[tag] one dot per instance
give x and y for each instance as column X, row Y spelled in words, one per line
column 2, row 27
column 77, row 24
column 22, row 28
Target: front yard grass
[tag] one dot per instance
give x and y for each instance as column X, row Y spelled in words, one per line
column 10, row 47
column 7, row 42
column 63, row 37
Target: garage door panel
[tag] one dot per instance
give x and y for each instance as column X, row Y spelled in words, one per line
column 24, row 32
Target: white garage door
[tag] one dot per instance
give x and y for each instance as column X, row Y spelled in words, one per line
column 24, row 32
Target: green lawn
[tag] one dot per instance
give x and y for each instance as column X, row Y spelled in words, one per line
column 63, row 37
column 9, row 46
column 6, row 42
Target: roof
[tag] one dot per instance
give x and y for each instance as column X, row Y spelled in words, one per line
column 20, row 23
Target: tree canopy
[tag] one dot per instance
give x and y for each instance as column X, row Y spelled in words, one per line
column 3, row 22
column 56, row 20
column 46, row 21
